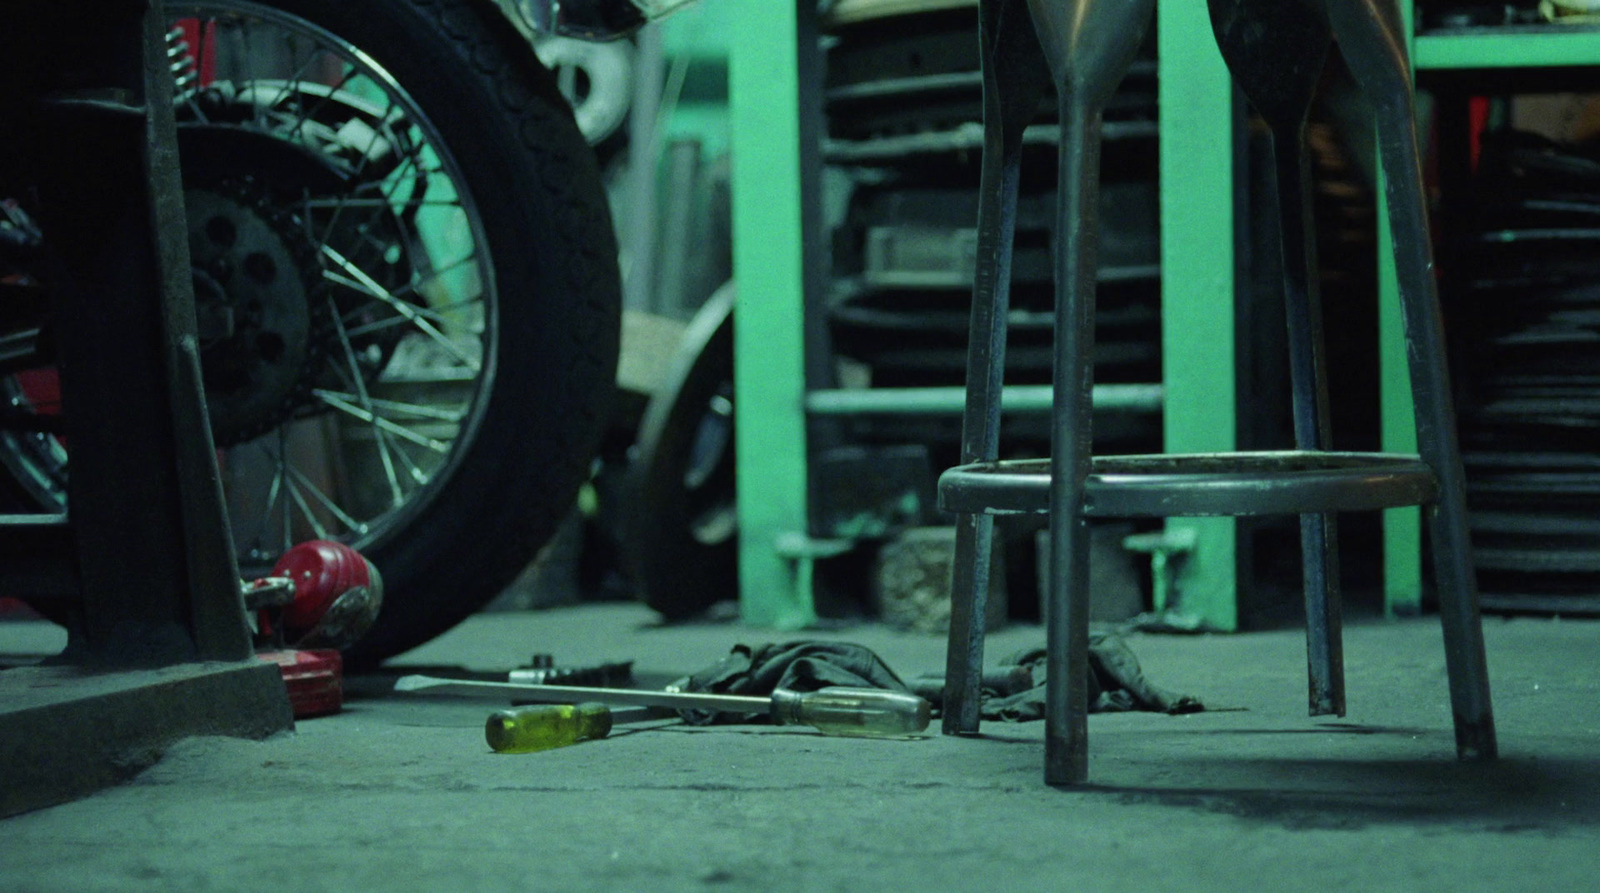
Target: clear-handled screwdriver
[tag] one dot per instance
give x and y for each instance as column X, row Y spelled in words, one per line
column 852, row 712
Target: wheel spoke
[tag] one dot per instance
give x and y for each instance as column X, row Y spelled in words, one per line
column 380, row 203
column 368, row 285
column 308, row 114
column 360, row 383
column 191, row 102
column 244, row 43
column 360, row 169
column 412, row 468
column 282, row 478
column 438, row 314
column 389, row 185
column 372, row 418
column 205, row 28
column 291, row 87
column 305, row 483
column 418, row 170
column 409, row 410
column 273, row 493
column 305, row 509
column 388, row 323
column 438, row 311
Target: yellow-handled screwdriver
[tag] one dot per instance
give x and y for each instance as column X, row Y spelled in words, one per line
column 545, row 726
column 852, row 712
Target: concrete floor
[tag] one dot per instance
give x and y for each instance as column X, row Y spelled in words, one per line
column 400, row 793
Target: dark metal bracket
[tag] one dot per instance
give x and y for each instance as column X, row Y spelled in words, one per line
column 142, row 565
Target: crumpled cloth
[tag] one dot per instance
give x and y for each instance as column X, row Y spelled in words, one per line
column 794, row 666
column 1116, row 682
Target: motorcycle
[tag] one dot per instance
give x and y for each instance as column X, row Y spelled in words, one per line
column 406, row 288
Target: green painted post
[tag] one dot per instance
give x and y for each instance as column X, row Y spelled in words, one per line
column 769, row 351
column 1197, row 291
column 1402, row 528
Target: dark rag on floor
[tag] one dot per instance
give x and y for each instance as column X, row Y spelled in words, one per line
column 794, row 666
column 1116, row 683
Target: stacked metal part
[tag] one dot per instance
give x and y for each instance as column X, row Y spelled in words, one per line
column 904, row 104
column 1522, row 292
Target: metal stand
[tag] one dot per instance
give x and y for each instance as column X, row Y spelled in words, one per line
column 1274, row 49
column 143, row 563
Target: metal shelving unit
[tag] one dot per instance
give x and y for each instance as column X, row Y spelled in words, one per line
column 769, row 113
column 783, row 394
column 1200, row 261
column 1508, row 60
column 1444, row 51
column 776, row 169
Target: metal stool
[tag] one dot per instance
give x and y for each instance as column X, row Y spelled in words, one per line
column 1275, row 50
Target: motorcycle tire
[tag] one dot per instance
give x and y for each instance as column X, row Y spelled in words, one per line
column 487, row 136
column 544, row 214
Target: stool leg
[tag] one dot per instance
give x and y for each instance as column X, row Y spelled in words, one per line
column 1014, row 76
column 1275, row 49
column 1371, row 37
column 1319, row 533
column 1089, row 45
column 1066, row 741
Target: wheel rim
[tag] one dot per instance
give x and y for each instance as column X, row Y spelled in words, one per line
column 317, row 152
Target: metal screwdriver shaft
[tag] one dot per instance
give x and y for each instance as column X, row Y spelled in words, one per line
column 852, row 712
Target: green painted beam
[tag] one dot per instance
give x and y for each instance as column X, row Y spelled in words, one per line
column 1532, row 47
column 769, row 350
column 1197, row 292
column 1402, row 528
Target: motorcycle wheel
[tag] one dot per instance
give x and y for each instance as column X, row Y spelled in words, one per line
column 406, row 288
column 680, row 521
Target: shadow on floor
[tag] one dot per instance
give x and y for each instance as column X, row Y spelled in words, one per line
column 1508, row 796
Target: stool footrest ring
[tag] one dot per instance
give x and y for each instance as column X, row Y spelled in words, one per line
column 1200, row 484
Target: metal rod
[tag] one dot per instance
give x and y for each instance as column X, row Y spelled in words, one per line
column 1276, row 50
column 1319, row 536
column 571, row 694
column 644, row 133
column 1089, row 45
column 1371, row 36
column 952, row 400
column 1014, row 76
column 1067, row 608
